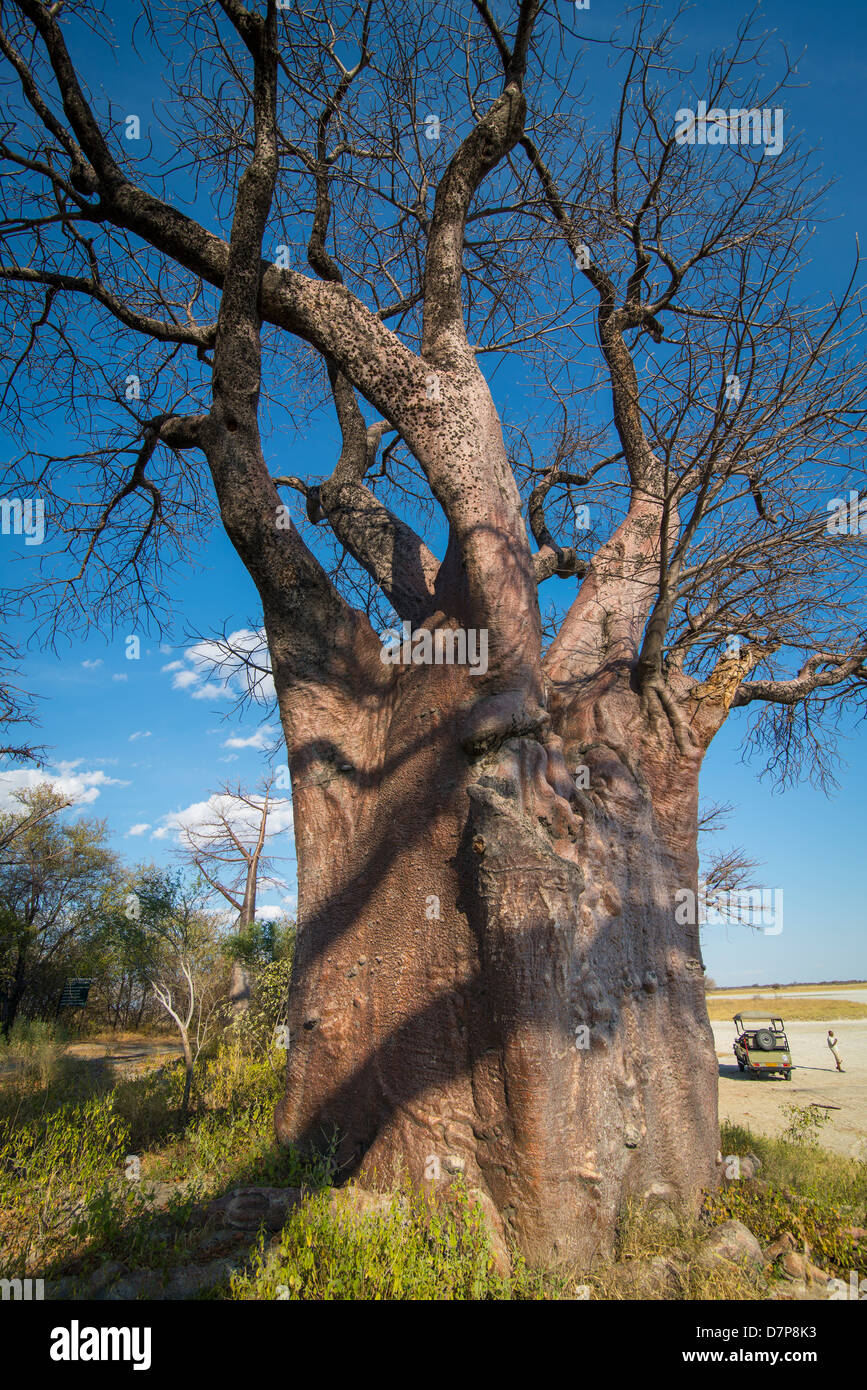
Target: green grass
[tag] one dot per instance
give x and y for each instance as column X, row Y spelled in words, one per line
column 810, row 1192
column 66, row 1131
column 418, row 1249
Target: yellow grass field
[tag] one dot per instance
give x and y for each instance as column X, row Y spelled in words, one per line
column 797, row 989
column 792, row 1009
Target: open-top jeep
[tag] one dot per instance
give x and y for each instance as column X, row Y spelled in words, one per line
column 761, row 1051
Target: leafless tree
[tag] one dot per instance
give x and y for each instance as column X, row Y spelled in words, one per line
column 487, row 862
column 184, row 964
column 16, row 707
column 228, row 850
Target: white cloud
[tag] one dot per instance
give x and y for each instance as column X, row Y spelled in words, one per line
column 92, row 665
column 82, row 787
column 212, row 691
column 139, row 733
column 226, row 668
column 268, row 912
column 263, row 738
column 243, row 819
column 140, row 828
column 120, row 678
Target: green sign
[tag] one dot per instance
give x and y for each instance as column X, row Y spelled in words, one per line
column 75, row 993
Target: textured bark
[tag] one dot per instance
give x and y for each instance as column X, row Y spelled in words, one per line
column 431, row 1045
column 455, row 1039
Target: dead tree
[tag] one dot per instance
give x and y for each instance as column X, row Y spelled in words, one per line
column 228, row 850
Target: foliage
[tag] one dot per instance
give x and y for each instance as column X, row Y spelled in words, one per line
column 805, row 1123
column 418, row 1249
column 55, row 878
column 830, row 1197
column 53, row 1167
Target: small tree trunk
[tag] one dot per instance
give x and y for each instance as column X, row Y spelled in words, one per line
column 16, row 994
column 239, row 987
column 119, row 1001
column 188, row 1077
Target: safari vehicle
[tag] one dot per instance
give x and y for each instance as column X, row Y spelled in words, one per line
column 761, row 1051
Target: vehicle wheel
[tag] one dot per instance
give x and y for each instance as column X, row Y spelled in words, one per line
column 788, row 1075
column 765, row 1040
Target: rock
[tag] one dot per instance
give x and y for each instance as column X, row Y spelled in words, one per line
column 658, row 1277
column 794, row 1265
column 60, row 1289
column 856, row 1232
column 746, row 1168
column 219, row 1242
column 185, row 1281
column 147, row 1283
column 106, row 1274
column 800, row 1291
column 248, row 1208
column 785, row 1241
column 190, row 1280
column 734, row 1243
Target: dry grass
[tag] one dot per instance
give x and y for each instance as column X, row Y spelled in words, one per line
column 734, row 990
column 678, row 1241
column 792, row 1010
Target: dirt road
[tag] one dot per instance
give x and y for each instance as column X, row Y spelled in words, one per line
column 128, row 1056
column 134, row 1055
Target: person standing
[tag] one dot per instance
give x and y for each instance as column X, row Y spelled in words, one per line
column 832, row 1043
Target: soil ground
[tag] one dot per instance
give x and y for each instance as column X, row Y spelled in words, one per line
column 758, row 1101
column 128, row 1053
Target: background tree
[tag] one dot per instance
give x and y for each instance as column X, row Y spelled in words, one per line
column 34, row 808
column 17, row 706
column 185, row 963
column 487, row 864
column 228, row 850
column 54, row 879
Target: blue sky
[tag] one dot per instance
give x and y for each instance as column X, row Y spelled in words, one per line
column 143, row 740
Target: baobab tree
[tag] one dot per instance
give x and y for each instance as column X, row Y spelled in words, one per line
column 389, row 203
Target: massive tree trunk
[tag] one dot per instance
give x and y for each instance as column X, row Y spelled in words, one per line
column 489, row 974
column 464, row 907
